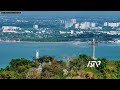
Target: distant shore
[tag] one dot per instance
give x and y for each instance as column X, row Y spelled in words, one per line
column 41, row 42
column 44, row 42
column 73, row 42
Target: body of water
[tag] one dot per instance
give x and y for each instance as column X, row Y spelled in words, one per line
column 12, row 50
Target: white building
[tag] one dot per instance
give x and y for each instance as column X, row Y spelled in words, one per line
column 111, row 32
column 62, row 32
column 96, row 28
column 67, row 24
column 111, row 24
column 70, row 23
column 35, row 26
column 73, row 21
column 82, row 26
column 93, row 24
column 43, row 31
column 10, row 28
column 26, row 31
column 77, row 25
column 72, row 32
column 85, row 25
column 62, row 21
column 79, row 32
column 99, row 28
column 105, row 23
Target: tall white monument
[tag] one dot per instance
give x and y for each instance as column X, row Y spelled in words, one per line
column 37, row 54
column 93, row 43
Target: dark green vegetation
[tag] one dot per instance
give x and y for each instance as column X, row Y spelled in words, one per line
column 47, row 67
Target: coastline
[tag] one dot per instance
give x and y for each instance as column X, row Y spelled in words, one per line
column 63, row 42
column 40, row 42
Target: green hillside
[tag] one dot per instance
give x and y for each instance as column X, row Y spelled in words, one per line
column 47, row 67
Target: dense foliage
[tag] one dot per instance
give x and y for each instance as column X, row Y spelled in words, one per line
column 47, row 67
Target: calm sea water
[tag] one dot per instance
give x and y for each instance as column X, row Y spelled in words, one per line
column 9, row 50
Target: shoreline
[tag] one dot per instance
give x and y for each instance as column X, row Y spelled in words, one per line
column 63, row 42
column 39, row 42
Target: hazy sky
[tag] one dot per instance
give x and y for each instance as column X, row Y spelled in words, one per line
column 65, row 13
column 72, row 13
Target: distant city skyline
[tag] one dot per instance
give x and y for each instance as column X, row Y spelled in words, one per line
column 72, row 13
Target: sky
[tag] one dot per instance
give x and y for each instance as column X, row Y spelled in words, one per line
column 72, row 13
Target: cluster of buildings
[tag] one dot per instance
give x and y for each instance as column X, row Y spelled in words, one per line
column 10, row 28
column 112, row 24
column 111, row 32
column 82, row 25
column 87, row 25
column 13, row 29
column 71, row 32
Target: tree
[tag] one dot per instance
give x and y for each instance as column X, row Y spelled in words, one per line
column 33, row 74
column 19, row 62
column 102, row 65
column 52, row 70
column 46, row 59
column 7, row 74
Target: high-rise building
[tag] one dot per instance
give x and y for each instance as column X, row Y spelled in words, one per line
column 62, row 21
column 105, row 24
column 73, row 21
column 82, row 26
column 77, row 25
column 69, row 23
column 87, row 25
column 93, row 24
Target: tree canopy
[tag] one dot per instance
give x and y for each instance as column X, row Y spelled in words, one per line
column 48, row 67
